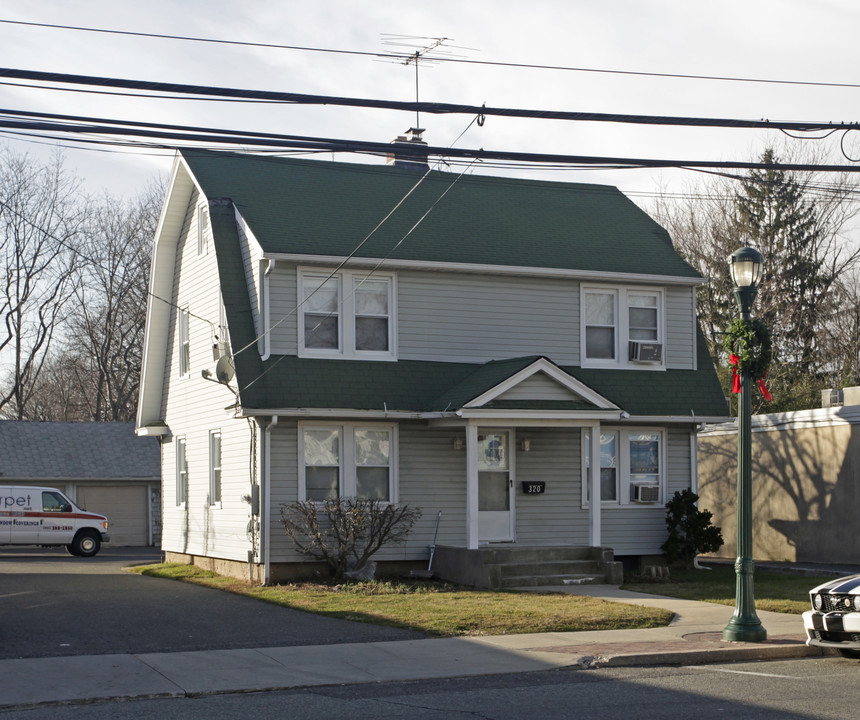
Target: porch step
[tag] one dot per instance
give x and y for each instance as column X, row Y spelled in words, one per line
column 557, row 567
column 509, row 566
column 553, row 580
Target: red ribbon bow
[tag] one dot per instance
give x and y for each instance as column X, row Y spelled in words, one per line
column 736, row 379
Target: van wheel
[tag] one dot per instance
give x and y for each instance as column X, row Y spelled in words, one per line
column 71, row 549
column 85, row 544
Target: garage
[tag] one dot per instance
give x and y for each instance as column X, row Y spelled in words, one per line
column 126, row 508
column 104, row 467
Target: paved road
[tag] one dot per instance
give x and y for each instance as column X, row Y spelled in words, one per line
column 776, row 690
column 53, row 604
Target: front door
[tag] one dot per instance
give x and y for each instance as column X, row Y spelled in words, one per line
column 495, row 487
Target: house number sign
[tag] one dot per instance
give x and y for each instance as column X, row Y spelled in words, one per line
column 533, row 487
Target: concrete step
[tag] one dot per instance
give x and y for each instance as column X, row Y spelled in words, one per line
column 553, row 580
column 559, row 567
column 499, row 555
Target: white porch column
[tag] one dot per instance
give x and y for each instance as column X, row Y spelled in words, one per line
column 594, row 489
column 472, row 486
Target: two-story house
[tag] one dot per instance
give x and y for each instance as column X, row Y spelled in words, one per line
column 470, row 344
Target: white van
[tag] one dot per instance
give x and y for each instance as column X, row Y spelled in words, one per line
column 45, row 516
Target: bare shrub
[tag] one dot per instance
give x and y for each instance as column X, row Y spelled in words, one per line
column 346, row 532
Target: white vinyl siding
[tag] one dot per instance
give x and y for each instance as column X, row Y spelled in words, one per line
column 192, row 408
column 681, row 328
column 469, row 317
column 431, row 475
column 556, row 516
column 477, row 318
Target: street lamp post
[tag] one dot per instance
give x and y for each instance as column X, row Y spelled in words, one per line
column 746, row 268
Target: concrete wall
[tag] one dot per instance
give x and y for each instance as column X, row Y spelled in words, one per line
column 806, row 489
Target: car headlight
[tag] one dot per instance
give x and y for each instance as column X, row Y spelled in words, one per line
column 818, row 602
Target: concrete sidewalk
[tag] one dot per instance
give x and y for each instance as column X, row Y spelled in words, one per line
column 694, row 637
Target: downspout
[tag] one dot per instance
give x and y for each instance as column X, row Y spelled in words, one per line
column 264, row 312
column 266, row 510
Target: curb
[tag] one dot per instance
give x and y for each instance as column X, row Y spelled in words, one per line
column 710, row 655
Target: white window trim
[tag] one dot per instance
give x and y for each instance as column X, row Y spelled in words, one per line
column 623, row 467
column 181, row 485
column 348, row 282
column 347, row 467
column 213, row 502
column 183, row 333
column 622, row 326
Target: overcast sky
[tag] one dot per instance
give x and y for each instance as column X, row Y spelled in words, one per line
column 791, row 40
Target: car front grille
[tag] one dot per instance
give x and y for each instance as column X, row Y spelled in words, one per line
column 835, row 636
column 834, row 603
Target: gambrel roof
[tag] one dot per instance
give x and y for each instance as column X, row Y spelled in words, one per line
column 311, row 210
column 312, row 207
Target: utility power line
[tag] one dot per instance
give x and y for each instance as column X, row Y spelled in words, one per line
column 400, row 57
column 426, row 107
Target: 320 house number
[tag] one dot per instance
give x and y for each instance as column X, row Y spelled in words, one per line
column 534, row 487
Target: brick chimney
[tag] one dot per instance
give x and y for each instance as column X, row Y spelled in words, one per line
column 409, row 150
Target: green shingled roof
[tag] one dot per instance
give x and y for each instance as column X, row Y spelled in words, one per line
column 486, row 220
column 587, row 219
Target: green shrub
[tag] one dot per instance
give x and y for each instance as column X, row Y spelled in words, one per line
column 690, row 530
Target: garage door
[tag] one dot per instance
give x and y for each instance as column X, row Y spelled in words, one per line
column 125, row 507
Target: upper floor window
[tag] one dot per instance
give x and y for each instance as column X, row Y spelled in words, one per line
column 622, row 327
column 184, row 342
column 347, row 314
column 202, row 229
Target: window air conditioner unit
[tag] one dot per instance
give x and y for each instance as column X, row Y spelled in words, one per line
column 643, row 493
column 646, row 352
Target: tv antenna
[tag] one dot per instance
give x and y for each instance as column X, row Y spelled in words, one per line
column 425, row 50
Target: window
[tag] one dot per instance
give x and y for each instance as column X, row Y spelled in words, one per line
column 181, row 472
column 54, row 502
column 347, row 461
column 608, row 465
column 615, row 317
column 184, row 343
column 348, row 314
column 215, row 467
column 628, row 458
column 600, row 325
column 202, row 229
column 642, row 317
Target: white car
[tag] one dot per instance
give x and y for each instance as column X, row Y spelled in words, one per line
column 834, row 621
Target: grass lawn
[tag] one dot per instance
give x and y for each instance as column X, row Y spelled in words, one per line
column 776, row 591
column 437, row 609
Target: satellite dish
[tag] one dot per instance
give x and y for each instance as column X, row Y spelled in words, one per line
column 224, row 370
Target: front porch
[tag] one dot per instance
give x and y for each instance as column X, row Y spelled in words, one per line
column 499, row 566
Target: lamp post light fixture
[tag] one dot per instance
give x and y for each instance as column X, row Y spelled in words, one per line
column 746, row 268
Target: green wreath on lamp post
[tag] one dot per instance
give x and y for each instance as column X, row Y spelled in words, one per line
column 750, row 348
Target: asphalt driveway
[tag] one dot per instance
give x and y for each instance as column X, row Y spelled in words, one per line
column 53, row 604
